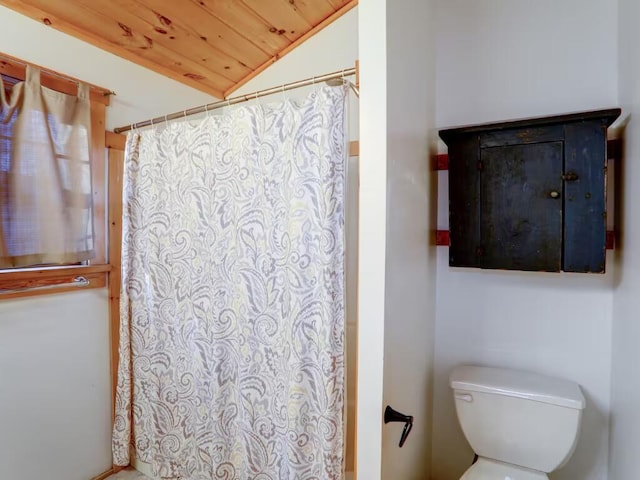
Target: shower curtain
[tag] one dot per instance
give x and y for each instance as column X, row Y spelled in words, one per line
column 232, row 302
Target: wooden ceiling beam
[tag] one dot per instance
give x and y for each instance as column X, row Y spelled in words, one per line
column 160, row 32
column 135, row 40
column 214, row 46
column 88, row 35
column 310, row 12
column 338, row 4
column 193, row 19
column 327, row 21
column 243, row 20
column 284, row 15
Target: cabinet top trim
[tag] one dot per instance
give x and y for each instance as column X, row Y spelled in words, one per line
column 607, row 116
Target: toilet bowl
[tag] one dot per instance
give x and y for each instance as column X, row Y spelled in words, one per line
column 521, row 425
column 485, row 469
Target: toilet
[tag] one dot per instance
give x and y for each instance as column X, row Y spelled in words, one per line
column 521, row 425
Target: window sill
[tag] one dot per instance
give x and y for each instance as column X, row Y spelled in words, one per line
column 27, row 282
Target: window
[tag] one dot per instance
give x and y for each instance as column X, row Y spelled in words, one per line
column 82, row 192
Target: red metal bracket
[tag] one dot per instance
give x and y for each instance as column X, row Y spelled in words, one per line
column 614, row 149
column 442, row 162
column 442, row 239
column 611, row 240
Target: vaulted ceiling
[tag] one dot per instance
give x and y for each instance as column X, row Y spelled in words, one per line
column 212, row 45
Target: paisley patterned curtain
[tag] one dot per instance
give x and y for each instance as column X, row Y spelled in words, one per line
column 232, row 302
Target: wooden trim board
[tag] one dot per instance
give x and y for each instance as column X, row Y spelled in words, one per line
column 15, row 68
column 354, row 148
column 105, row 475
column 30, row 278
column 48, row 273
column 112, row 471
column 97, row 280
column 98, row 156
column 116, row 165
column 115, row 140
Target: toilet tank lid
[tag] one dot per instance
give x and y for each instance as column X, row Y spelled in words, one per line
column 514, row 383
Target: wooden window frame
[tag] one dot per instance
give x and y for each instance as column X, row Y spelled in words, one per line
column 26, row 280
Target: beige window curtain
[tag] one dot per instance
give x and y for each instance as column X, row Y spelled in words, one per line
column 45, row 175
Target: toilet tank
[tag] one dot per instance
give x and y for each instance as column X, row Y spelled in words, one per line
column 520, row 418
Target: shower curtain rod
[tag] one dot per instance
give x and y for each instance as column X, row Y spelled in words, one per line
column 347, row 72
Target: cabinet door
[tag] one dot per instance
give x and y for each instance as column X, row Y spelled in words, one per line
column 521, row 190
column 585, row 204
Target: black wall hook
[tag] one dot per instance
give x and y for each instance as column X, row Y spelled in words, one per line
column 391, row 415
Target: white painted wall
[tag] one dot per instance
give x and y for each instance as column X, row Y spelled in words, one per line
column 504, row 59
column 55, row 407
column 625, row 419
column 411, row 255
column 497, row 60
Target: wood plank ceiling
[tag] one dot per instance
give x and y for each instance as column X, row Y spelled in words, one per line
column 212, row 45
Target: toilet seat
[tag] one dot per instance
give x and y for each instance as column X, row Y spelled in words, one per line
column 485, row 469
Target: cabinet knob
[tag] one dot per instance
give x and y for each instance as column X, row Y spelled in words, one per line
column 570, row 177
column 554, row 194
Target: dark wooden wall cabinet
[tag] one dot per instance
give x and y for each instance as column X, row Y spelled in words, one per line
column 530, row 194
